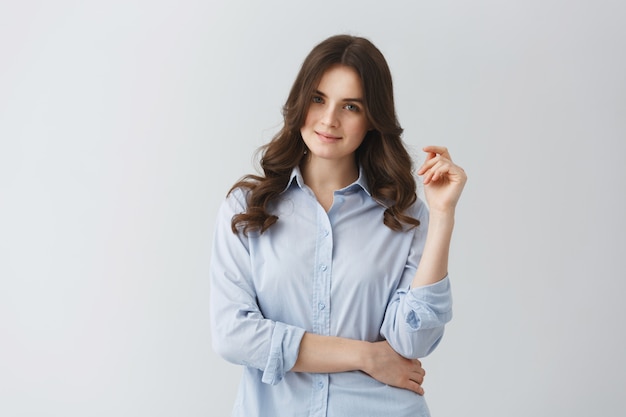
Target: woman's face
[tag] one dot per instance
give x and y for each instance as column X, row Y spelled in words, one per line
column 336, row 124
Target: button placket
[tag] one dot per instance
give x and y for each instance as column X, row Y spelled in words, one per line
column 322, row 274
column 321, row 302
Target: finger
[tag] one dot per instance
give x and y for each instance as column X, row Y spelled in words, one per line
column 449, row 172
column 430, row 155
column 432, row 160
column 429, row 162
column 420, row 370
column 440, row 150
column 414, row 386
column 428, row 175
column 429, row 165
column 437, row 171
column 440, row 170
column 417, row 377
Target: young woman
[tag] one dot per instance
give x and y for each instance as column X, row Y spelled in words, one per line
column 328, row 273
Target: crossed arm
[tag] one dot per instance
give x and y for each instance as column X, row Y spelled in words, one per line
column 327, row 354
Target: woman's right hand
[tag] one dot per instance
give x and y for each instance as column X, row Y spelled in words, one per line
column 387, row 366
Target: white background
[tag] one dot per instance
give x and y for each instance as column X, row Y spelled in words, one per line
column 124, row 123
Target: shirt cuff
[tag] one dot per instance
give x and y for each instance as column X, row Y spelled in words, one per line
column 283, row 352
column 429, row 306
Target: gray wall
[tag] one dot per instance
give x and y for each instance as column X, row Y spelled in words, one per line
column 123, row 123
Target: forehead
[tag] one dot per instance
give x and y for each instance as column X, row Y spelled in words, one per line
column 340, row 81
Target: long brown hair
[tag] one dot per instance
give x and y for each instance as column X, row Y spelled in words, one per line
column 386, row 163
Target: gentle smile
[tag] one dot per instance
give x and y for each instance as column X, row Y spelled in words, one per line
column 327, row 136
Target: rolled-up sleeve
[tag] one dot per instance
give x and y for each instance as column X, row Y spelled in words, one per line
column 415, row 318
column 240, row 333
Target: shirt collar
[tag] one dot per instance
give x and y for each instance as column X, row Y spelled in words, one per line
column 361, row 181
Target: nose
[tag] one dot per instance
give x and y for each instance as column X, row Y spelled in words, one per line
column 329, row 118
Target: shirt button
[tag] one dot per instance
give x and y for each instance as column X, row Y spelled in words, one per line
column 321, row 306
column 320, row 385
column 325, row 233
column 323, row 268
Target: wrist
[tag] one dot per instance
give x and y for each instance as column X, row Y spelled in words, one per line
column 441, row 213
column 365, row 356
column 440, row 223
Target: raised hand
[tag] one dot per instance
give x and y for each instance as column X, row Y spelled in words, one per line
column 443, row 180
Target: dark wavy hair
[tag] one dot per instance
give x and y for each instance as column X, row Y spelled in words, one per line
column 386, row 163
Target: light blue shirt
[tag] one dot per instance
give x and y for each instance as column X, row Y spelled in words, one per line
column 342, row 273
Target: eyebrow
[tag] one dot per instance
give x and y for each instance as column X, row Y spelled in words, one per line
column 357, row 100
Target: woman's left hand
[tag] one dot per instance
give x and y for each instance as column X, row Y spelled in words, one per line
column 443, row 180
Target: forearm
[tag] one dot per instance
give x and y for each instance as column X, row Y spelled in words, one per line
column 328, row 354
column 433, row 265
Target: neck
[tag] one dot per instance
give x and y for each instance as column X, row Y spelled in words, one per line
column 328, row 175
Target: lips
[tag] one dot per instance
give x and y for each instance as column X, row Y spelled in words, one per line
column 327, row 136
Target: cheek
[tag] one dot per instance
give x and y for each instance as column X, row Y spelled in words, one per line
column 359, row 127
column 310, row 118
